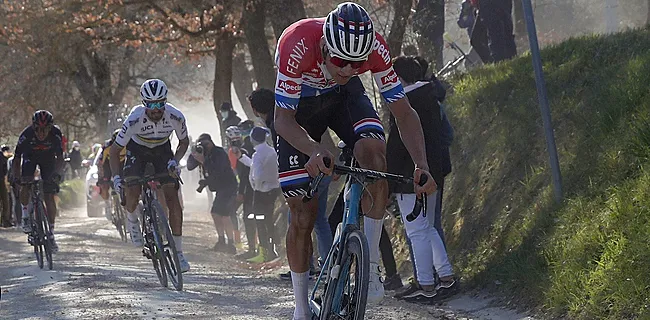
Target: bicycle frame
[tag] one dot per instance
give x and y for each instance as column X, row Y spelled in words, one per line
column 351, row 216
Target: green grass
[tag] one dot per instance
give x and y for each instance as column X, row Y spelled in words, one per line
column 589, row 256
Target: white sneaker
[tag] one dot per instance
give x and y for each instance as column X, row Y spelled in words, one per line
column 26, row 225
column 375, row 285
column 134, row 231
column 185, row 266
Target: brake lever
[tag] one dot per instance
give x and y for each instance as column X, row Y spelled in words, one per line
column 420, row 203
column 313, row 185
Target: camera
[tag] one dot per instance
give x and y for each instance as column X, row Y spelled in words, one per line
column 198, row 148
column 236, row 143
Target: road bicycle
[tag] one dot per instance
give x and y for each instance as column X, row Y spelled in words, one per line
column 159, row 245
column 346, row 269
column 41, row 236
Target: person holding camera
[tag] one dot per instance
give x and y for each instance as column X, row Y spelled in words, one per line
column 219, row 178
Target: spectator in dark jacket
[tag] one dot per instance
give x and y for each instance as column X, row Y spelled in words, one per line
column 496, row 16
column 428, row 248
column 75, row 159
column 4, row 192
column 219, row 178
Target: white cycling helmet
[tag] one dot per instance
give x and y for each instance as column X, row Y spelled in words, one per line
column 75, row 144
column 349, row 32
column 153, row 90
column 233, row 133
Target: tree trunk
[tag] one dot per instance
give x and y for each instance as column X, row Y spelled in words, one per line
column 429, row 23
column 242, row 80
column 253, row 21
column 222, row 73
column 402, row 9
column 283, row 13
column 519, row 20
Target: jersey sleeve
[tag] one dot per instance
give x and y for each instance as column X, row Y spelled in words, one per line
column 129, row 128
column 57, row 144
column 383, row 73
column 178, row 121
column 291, row 60
column 21, row 145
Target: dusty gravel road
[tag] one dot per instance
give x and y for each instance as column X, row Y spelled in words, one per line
column 96, row 276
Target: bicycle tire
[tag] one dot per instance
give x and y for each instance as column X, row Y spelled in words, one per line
column 38, row 251
column 156, row 248
column 45, row 236
column 170, row 254
column 120, row 220
column 355, row 253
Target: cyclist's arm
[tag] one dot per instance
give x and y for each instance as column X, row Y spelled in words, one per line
column 58, row 150
column 410, row 130
column 288, row 128
column 181, row 149
column 123, row 137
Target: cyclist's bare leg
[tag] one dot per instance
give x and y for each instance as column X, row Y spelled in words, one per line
column 161, row 198
column 25, row 191
column 299, row 246
column 103, row 191
column 175, row 210
column 50, row 206
column 132, row 194
column 300, row 249
column 371, row 154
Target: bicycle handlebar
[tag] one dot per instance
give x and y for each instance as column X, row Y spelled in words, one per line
column 420, row 203
column 143, row 180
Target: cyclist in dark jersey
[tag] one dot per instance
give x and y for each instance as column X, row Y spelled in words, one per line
column 40, row 145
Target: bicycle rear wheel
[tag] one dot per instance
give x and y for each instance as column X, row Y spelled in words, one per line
column 156, row 247
column 46, row 235
column 120, row 220
column 347, row 288
column 170, row 254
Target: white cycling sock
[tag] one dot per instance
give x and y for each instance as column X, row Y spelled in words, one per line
column 132, row 216
column 25, row 211
column 178, row 240
column 300, row 283
column 135, row 215
column 372, row 229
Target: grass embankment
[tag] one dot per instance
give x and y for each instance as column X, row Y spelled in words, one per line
column 588, row 257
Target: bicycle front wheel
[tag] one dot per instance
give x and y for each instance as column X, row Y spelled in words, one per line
column 170, row 254
column 156, row 247
column 46, row 236
column 347, row 288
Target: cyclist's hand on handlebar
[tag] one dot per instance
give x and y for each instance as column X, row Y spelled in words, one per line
column 117, row 184
column 173, row 168
column 315, row 165
column 429, row 187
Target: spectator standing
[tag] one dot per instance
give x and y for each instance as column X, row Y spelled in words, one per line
column 219, row 178
column 75, row 159
column 430, row 255
column 264, row 180
column 4, row 194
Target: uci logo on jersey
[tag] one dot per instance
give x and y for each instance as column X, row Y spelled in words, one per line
column 147, row 127
column 391, row 77
column 290, row 87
